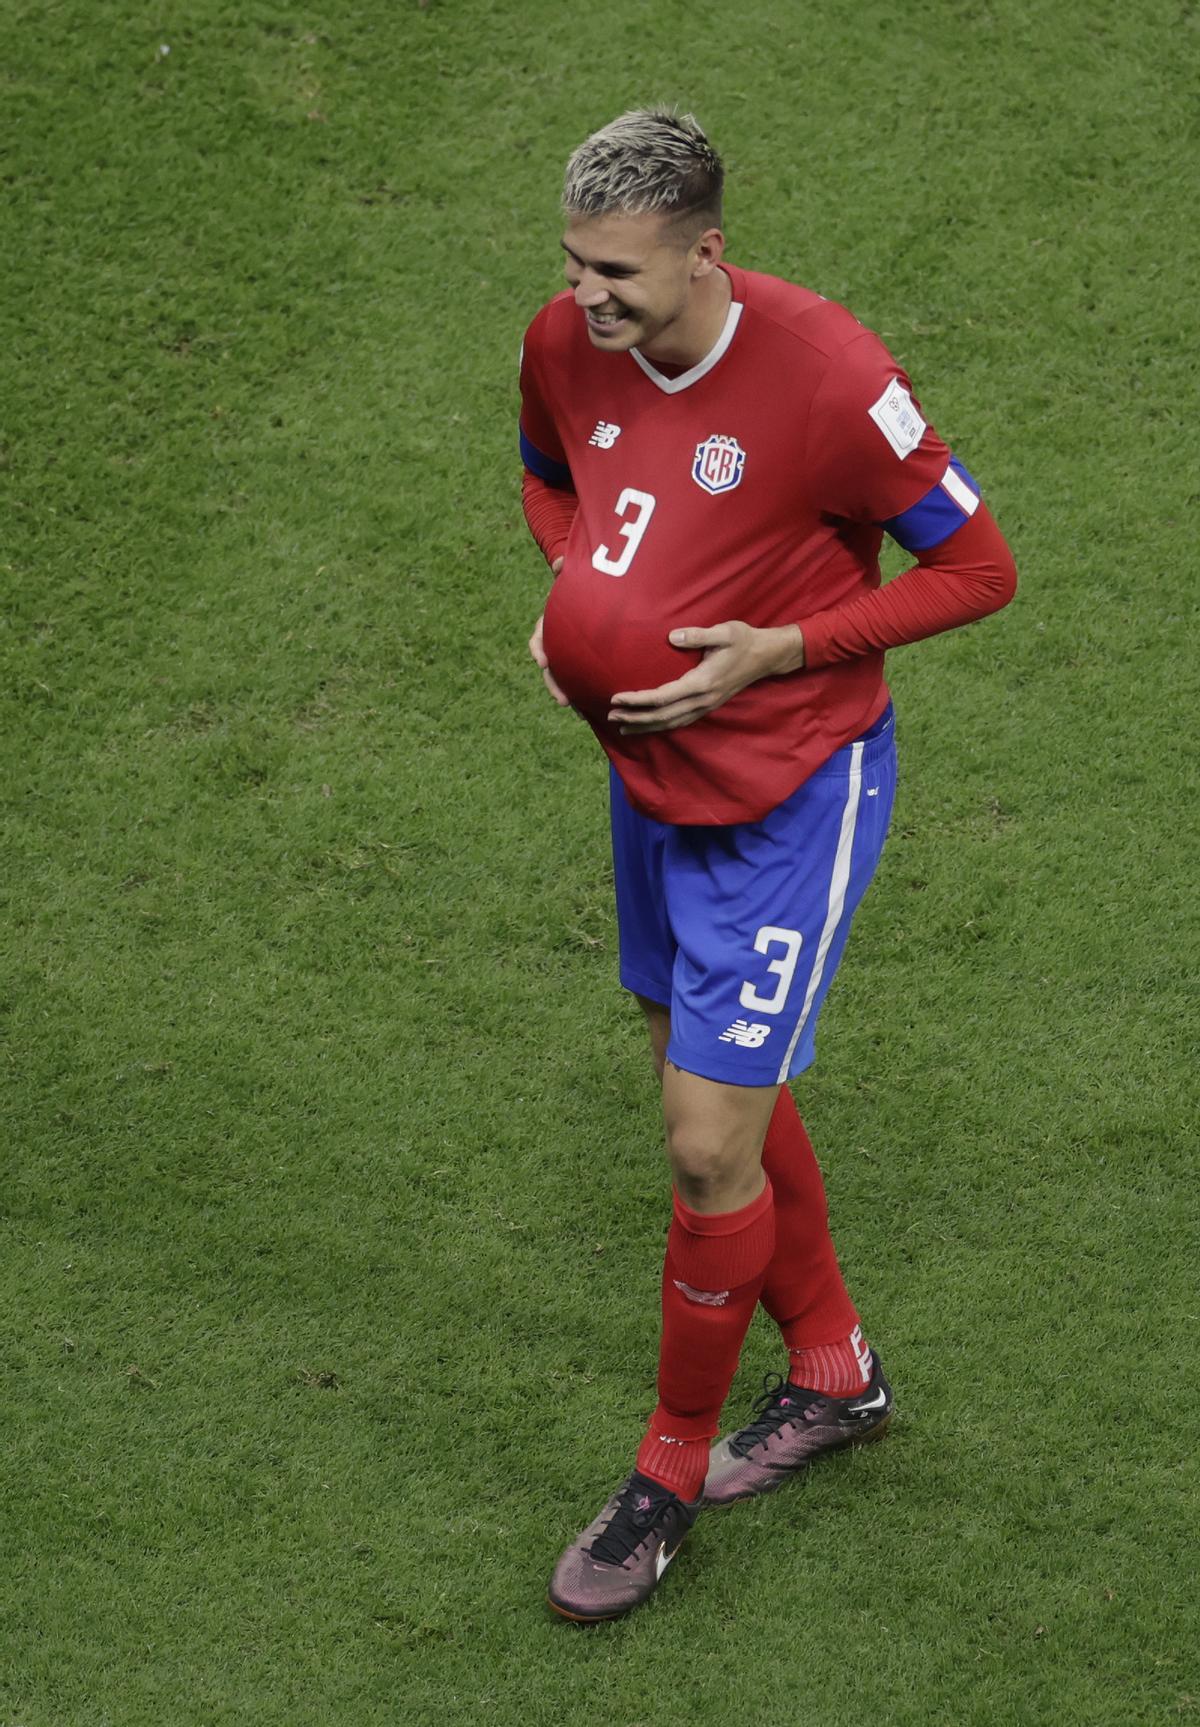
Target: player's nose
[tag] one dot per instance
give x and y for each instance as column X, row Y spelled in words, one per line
column 590, row 291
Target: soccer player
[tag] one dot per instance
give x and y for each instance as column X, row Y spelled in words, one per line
column 712, row 457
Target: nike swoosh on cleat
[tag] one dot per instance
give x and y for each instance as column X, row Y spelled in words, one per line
column 662, row 1559
column 877, row 1402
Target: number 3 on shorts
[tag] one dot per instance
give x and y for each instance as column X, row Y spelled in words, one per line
column 784, row 967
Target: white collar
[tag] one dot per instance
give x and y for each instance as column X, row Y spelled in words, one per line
column 672, row 386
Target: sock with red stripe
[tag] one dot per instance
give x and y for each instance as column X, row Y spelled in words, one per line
column 803, row 1290
column 712, row 1278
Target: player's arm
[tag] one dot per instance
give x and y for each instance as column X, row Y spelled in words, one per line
column 548, row 497
column 878, row 461
column 964, row 571
column 547, row 489
column 549, row 513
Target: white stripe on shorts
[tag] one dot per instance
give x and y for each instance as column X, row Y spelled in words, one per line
column 839, row 882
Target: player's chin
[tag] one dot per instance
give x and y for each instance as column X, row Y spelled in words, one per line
column 614, row 338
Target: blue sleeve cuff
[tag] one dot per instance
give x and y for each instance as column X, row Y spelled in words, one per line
column 940, row 513
column 545, row 467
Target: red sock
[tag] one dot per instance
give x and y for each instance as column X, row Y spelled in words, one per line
column 838, row 1369
column 711, row 1282
column 803, row 1289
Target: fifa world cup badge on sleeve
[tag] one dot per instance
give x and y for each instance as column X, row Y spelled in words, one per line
column 896, row 415
column 718, row 464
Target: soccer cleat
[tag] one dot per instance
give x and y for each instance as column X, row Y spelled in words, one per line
column 792, row 1427
column 619, row 1559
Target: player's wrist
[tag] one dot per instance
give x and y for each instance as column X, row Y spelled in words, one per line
column 785, row 650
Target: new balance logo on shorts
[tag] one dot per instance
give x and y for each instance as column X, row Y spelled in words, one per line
column 746, row 1034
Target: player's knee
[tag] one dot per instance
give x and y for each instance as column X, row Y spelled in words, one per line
column 696, row 1164
column 708, row 1168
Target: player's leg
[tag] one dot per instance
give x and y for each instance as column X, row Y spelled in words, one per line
column 712, row 1276
column 718, row 1102
column 728, row 895
column 719, row 1245
column 715, row 1136
column 835, row 1391
column 617, row 1561
column 803, row 1290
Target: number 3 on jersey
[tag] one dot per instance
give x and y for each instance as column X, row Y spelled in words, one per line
column 642, row 503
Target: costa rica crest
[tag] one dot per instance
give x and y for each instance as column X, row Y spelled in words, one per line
column 718, row 464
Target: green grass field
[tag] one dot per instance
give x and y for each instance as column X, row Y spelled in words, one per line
column 333, row 1200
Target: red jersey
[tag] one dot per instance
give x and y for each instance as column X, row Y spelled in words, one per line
column 756, row 485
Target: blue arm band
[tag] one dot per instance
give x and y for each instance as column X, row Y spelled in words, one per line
column 545, row 467
column 940, row 513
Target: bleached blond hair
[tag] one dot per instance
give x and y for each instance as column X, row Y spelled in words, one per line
column 650, row 159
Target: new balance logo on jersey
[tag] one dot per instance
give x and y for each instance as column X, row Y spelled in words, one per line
column 605, row 435
column 746, row 1034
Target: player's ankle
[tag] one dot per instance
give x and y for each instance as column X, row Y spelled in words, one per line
column 837, row 1369
column 678, row 1464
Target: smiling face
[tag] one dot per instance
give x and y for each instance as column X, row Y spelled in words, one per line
column 645, row 282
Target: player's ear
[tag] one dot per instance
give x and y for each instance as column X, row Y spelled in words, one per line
column 708, row 249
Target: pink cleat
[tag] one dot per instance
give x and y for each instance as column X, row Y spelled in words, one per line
column 619, row 1559
column 791, row 1428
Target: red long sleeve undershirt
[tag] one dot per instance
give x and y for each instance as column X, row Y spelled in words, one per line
column 969, row 575
column 549, row 510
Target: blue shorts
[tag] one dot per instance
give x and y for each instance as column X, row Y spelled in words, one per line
column 740, row 929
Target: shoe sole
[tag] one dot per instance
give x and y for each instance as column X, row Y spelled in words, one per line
column 849, row 1443
column 600, row 1618
column 587, row 1618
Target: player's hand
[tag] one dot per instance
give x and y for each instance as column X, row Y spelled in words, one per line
column 539, row 654
column 735, row 655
